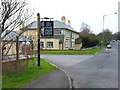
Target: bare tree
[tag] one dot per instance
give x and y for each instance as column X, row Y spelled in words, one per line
column 12, row 13
column 85, row 29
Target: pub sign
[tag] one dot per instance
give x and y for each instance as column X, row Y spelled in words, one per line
column 47, row 28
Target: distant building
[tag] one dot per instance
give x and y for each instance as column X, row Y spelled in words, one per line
column 10, row 39
column 64, row 36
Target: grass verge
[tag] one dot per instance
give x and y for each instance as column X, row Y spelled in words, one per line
column 10, row 80
column 71, row 52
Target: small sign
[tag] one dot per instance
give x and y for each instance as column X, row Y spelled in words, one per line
column 26, row 50
column 47, row 28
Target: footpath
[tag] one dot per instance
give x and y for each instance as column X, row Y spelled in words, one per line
column 55, row 79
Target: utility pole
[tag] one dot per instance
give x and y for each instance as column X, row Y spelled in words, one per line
column 38, row 26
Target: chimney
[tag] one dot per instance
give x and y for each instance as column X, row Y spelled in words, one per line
column 69, row 22
column 63, row 19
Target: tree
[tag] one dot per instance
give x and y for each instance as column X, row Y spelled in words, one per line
column 85, row 29
column 105, row 36
column 88, row 38
column 116, row 36
column 12, row 13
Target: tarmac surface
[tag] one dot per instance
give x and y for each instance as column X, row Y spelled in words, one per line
column 55, row 79
column 89, row 71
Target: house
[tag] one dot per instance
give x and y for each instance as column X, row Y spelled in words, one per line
column 9, row 40
column 64, row 36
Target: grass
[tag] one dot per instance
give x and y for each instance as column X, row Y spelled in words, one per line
column 10, row 80
column 71, row 52
column 0, row 81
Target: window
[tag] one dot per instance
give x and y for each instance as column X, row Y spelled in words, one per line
column 62, row 31
column 49, row 44
column 73, row 44
column 72, row 35
column 66, row 34
column 41, row 45
column 66, row 44
column 58, row 32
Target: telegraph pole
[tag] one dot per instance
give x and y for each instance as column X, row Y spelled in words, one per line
column 38, row 26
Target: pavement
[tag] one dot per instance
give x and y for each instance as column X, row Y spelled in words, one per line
column 55, row 79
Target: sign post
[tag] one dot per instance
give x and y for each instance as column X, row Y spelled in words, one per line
column 17, row 55
column 38, row 25
column 0, row 59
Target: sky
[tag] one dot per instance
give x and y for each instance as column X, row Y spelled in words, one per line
column 78, row 11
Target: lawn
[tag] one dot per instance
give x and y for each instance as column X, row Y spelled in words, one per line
column 10, row 80
column 71, row 52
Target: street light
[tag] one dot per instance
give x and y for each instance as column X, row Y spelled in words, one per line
column 104, row 18
column 107, row 15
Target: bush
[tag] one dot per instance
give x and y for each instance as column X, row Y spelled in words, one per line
column 89, row 41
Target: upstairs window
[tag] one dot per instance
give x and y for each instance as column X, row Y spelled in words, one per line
column 58, row 32
column 66, row 34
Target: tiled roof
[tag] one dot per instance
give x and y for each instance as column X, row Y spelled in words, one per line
column 57, row 24
column 12, row 36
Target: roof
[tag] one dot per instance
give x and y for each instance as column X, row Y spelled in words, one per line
column 24, row 39
column 12, row 36
column 57, row 24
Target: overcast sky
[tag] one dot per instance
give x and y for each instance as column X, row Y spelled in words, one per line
column 78, row 11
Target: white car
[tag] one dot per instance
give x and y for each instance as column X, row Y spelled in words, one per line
column 109, row 46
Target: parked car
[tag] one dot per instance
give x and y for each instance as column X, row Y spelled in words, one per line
column 97, row 46
column 109, row 46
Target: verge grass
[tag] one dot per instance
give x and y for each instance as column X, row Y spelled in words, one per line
column 10, row 80
column 71, row 52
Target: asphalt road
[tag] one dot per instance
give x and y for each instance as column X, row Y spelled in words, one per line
column 88, row 71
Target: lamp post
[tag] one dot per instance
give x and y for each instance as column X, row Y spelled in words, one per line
column 104, row 21
column 107, row 15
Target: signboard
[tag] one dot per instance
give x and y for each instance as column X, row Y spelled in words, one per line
column 47, row 28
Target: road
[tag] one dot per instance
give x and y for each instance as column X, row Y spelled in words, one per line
column 90, row 71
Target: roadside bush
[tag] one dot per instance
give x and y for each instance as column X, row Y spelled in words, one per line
column 89, row 41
